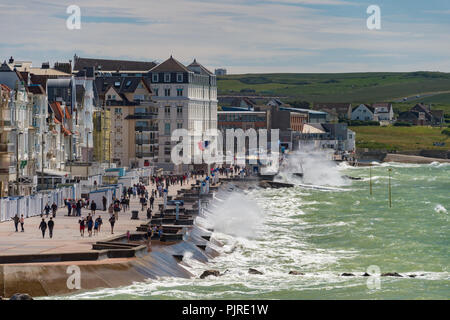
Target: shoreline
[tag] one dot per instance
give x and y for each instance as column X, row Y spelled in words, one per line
column 113, row 264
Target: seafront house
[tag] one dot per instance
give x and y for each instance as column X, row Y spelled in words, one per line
column 22, row 132
column 363, row 112
column 334, row 136
column 7, row 147
column 134, row 124
column 383, row 112
column 186, row 97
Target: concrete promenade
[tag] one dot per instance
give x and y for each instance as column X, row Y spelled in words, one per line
column 66, row 233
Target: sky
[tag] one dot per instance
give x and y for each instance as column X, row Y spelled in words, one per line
column 243, row 36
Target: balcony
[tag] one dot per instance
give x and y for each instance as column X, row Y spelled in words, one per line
column 7, row 148
column 146, row 141
column 142, row 129
column 145, row 154
column 142, row 116
column 9, row 170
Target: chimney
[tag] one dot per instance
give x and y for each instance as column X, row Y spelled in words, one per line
column 11, row 60
column 45, row 65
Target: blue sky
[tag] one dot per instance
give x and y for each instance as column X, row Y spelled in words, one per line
column 240, row 35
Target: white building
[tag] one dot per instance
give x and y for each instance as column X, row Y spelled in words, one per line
column 363, row 113
column 383, row 111
column 186, row 97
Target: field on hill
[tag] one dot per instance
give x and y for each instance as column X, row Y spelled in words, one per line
column 400, row 138
column 340, row 87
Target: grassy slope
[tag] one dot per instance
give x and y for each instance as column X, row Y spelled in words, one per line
column 399, row 138
column 344, row 87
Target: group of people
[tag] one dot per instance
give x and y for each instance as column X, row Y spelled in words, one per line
column 90, row 224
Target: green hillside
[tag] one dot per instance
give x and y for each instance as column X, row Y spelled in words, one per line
column 340, row 87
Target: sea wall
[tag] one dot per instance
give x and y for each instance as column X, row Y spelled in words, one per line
column 40, row 278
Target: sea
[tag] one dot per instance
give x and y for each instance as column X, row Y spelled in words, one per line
column 324, row 226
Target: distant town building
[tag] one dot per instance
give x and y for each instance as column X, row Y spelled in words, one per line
column 106, row 67
column 335, row 136
column 335, row 111
column 220, row 72
column 421, row 115
column 363, row 113
column 243, row 120
column 383, row 111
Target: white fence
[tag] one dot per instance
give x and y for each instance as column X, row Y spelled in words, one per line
column 33, row 205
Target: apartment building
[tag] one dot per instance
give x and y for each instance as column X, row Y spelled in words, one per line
column 134, row 125
column 186, row 97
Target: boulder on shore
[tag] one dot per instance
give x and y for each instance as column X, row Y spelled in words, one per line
column 365, row 274
column 21, row 296
column 391, row 274
column 254, row 271
column 208, row 273
column 296, row 273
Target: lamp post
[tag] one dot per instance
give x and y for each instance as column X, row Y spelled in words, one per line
column 42, row 155
column 390, row 196
column 87, row 153
column 18, row 133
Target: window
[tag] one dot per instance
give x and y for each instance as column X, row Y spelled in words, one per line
column 179, row 77
column 167, row 110
column 179, row 111
column 167, row 129
column 179, row 125
column 179, row 92
column 167, row 92
column 156, row 91
column 118, row 110
column 155, row 77
column 166, row 77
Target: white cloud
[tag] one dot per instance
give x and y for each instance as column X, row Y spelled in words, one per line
column 233, row 34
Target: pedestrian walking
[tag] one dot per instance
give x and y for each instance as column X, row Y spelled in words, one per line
column 22, row 222
column 43, row 227
column 93, row 207
column 54, row 209
column 100, row 223
column 47, row 210
column 82, row 226
column 51, row 224
column 90, row 225
column 104, row 200
column 112, row 221
column 16, row 220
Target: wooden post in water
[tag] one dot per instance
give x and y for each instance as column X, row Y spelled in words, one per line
column 390, row 196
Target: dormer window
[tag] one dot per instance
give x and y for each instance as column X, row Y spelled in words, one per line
column 166, row 77
column 179, row 77
column 155, row 77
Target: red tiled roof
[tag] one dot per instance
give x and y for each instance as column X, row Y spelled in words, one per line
column 57, row 110
column 68, row 114
column 4, row 86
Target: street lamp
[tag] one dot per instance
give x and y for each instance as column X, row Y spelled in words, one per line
column 44, row 133
column 87, row 152
column 18, row 133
